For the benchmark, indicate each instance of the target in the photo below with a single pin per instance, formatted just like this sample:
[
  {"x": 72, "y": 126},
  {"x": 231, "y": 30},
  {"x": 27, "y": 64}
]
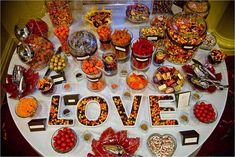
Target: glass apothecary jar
[
  {"x": 59, "y": 12},
  {"x": 187, "y": 30},
  {"x": 110, "y": 63},
  {"x": 141, "y": 57},
  {"x": 121, "y": 42},
  {"x": 96, "y": 83},
  {"x": 104, "y": 33}
]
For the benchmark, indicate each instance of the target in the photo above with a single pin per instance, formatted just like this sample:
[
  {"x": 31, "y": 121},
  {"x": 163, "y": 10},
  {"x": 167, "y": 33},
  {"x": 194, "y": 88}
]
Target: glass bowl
[
  {"x": 137, "y": 80},
  {"x": 137, "y": 13},
  {"x": 26, "y": 107},
  {"x": 209, "y": 42},
  {"x": 187, "y": 30},
  {"x": 216, "y": 57},
  {"x": 168, "y": 79},
  {"x": 197, "y": 112},
  {"x": 70, "y": 142},
  {"x": 46, "y": 86}
]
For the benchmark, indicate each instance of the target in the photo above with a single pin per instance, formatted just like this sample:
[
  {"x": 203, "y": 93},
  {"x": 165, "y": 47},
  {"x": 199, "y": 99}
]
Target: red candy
[
  {"x": 64, "y": 140},
  {"x": 204, "y": 112},
  {"x": 62, "y": 33},
  {"x": 142, "y": 47}
]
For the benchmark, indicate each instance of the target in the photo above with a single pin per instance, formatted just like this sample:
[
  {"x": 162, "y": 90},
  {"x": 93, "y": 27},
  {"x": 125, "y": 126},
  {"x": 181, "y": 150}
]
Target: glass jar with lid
[
  {"x": 96, "y": 83},
  {"x": 110, "y": 63},
  {"x": 121, "y": 42},
  {"x": 187, "y": 30},
  {"x": 59, "y": 12},
  {"x": 82, "y": 44},
  {"x": 141, "y": 57}
]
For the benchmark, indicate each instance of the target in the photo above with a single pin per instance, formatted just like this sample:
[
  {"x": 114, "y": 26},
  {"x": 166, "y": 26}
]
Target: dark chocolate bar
[
  {"x": 189, "y": 137},
  {"x": 58, "y": 79},
  {"x": 71, "y": 99},
  {"x": 37, "y": 124}
]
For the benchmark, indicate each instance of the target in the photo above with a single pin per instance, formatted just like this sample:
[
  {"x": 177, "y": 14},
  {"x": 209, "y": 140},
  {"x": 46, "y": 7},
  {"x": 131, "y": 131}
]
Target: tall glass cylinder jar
[
  {"x": 59, "y": 12},
  {"x": 104, "y": 33},
  {"x": 141, "y": 57},
  {"x": 110, "y": 63},
  {"x": 121, "y": 42},
  {"x": 96, "y": 83}
]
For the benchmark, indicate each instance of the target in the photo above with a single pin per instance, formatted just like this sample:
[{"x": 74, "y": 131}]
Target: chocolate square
[
  {"x": 58, "y": 79},
  {"x": 189, "y": 137},
  {"x": 71, "y": 99},
  {"x": 37, "y": 124}
]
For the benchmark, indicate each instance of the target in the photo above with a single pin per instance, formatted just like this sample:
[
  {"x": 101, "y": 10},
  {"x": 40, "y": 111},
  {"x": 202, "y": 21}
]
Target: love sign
[{"x": 155, "y": 102}]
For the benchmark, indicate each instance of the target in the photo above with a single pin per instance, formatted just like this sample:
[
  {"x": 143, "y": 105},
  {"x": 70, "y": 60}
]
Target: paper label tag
[
  {"x": 183, "y": 100},
  {"x": 188, "y": 47},
  {"x": 59, "y": 79},
  {"x": 190, "y": 140},
  {"x": 36, "y": 126},
  {"x": 152, "y": 38},
  {"x": 71, "y": 100},
  {"x": 120, "y": 49}
]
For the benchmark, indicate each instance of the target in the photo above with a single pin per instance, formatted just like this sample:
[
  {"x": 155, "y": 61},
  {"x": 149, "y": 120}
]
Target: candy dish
[
  {"x": 161, "y": 145},
  {"x": 144, "y": 126},
  {"x": 83, "y": 44},
  {"x": 205, "y": 112},
  {"x": 78, "y": 75},
  {"x": 155, "y": 110},
  {"x": 159, "y": 57},
  {"x": 203, "y": 77},
  {"x": 54, "y": 119},
  {"x": 43, "y": 51},
  {"x": 98, "y": 17},
  {"x": 160, "y": 21},
  {"x": 130, "y": 120},
  {"x": 26, "y": 107},
  {"x": 187, "y": 30},
  {"x": 87, "y": 136},
  {"x": 114, "y": 143},
  {"x": 64, "y": 140},
  {"x": 19, "y": 90},
  {"x": 209, "y": 42},
  {"x": 216, "y": 57},
  {"x": 201, "y": 8},
  {"x": 137, "y": 13},
  {"x": 67, "y": 87},
  {"x": 81, "y": 110},
  {"x": 59, "y": 12},
  {"x": 46, "y": 86},
  {"x": 168, "y": 79},
  {"x": 137, "y": 81}
]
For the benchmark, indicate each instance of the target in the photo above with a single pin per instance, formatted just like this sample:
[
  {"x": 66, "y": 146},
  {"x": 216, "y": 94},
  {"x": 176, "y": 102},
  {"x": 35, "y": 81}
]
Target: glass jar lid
[{"x": 82, "y": 43}]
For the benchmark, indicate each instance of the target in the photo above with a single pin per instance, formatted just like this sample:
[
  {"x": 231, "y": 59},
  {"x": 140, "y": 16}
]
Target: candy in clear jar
[
  {"x": 59, "y": 12},
  {"x": 141, "y": 57},
  {"x": 110, "y": 63},
  {"x": 104, "y": 33}
]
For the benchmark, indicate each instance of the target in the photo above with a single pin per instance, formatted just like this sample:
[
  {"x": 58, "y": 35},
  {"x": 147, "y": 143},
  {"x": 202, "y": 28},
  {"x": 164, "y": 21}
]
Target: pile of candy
[{"x": 62, "y": 33}]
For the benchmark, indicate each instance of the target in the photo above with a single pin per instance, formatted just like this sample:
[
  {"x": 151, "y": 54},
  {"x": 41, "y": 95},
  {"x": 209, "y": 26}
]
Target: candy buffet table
[{"x": 41, "y": 141}]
